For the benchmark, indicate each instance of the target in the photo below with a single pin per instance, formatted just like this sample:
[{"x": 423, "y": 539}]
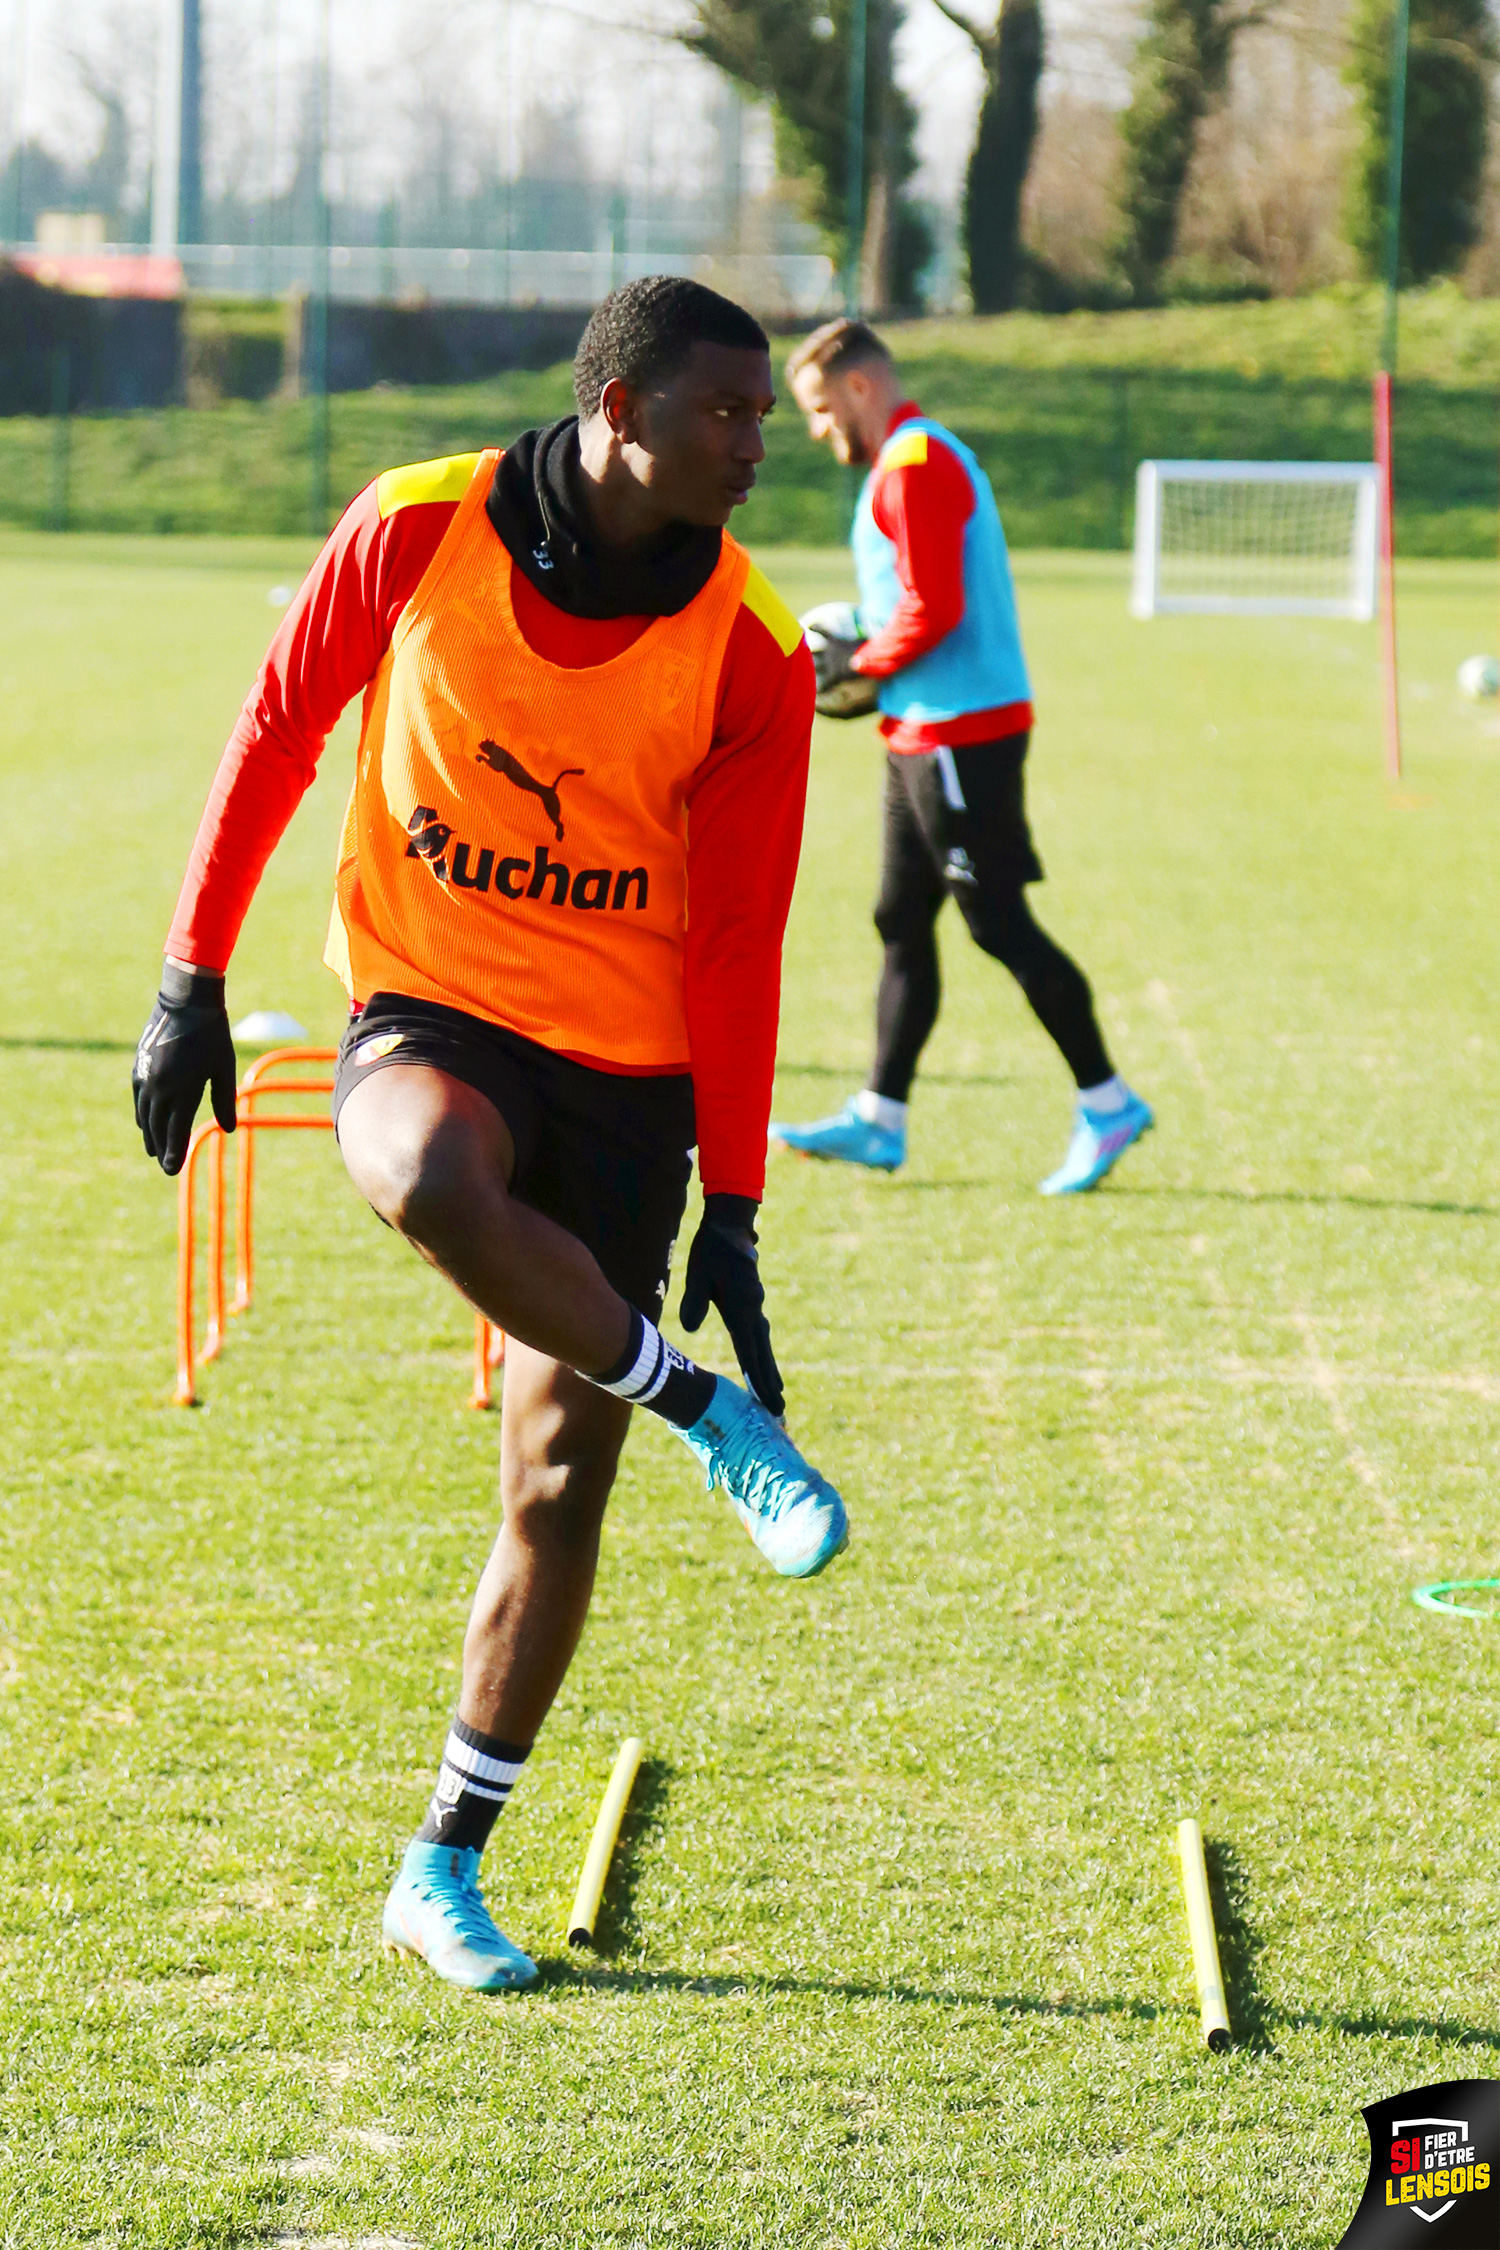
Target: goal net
[{"x": 1255, "y": 538}]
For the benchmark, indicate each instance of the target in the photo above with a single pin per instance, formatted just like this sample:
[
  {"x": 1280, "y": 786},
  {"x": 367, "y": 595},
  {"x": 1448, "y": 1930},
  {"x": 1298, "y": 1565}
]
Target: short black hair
[{"x": 644, "y": 334}]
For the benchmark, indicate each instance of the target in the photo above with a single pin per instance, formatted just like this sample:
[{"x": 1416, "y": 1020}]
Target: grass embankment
[
  {"x": 1332, "y": 334},
  {"x": 1060, "y": 411},
  {"x": 894, "y": 1955}
]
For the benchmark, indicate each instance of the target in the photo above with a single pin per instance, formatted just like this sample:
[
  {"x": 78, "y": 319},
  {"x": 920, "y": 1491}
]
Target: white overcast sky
[{"x": 407, "y": 71}]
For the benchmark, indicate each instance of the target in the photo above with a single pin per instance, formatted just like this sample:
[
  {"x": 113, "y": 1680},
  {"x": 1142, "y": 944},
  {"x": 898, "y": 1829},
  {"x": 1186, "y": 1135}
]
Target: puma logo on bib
[{"x": 502, "y": 761}]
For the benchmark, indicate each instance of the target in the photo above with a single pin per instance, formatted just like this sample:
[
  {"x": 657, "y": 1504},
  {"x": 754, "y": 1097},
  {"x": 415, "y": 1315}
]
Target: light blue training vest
[{"x": 979, "y": 666}]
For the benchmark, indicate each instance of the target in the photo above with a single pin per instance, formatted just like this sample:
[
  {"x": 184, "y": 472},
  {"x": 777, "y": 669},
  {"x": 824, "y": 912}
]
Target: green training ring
[{"x": 1434, "y": 1597}]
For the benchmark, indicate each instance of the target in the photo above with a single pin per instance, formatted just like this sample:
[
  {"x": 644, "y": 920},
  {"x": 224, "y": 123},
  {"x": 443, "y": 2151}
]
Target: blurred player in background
[
  {"x": 935, "y": 646},
  {"x": 561, "y": 891}
]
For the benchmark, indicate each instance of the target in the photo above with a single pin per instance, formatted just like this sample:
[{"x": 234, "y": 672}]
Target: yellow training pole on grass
[
  {"x": 602, "y": 1843},
  {"x": 1211, "y": 2002}
]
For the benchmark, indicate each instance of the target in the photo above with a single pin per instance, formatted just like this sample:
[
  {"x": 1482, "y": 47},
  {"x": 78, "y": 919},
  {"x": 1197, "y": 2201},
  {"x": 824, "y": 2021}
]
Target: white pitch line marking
[{"x": 1325, "y": 1381}]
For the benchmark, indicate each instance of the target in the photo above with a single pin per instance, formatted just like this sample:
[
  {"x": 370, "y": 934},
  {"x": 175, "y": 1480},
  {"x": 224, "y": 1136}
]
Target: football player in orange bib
[{"x": 561, "y": 891}]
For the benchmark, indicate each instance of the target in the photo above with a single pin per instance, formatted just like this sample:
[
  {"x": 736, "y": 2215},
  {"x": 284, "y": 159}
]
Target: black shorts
[
  {"x": 607, "y": 1157},
  {"x": 955, "y": 821}
]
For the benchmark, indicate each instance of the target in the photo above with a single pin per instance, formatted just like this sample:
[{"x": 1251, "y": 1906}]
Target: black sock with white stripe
[
  {"x": 476, "y": 1776},
  {"x": 651, "y": 1372}
]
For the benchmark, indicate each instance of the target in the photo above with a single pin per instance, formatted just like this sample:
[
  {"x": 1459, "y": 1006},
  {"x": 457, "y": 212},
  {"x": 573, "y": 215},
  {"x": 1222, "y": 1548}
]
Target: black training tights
[
  {"x": 906, "y": 1006},
  {"x": 979, "y": 853}
]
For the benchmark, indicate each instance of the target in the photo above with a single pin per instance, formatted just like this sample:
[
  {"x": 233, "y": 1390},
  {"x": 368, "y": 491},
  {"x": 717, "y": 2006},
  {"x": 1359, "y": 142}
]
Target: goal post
[{"x": 1256, "y": 539}]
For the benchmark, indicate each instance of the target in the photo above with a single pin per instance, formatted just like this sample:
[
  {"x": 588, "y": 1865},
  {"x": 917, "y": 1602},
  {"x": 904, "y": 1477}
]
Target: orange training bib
[{"x": 516, "y": 841}]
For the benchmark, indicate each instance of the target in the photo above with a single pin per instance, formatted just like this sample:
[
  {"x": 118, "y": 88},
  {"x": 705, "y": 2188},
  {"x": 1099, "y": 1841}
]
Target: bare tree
[
  {"x": 1265, "y": 188},
  {"x": 111, "y": 58},
  {"x": 1071, "y": 217}
]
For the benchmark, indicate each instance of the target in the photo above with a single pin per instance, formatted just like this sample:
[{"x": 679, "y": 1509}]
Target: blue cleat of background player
[
  {"x": 850, "y": 1137},
  {"x": 1100, "y": 1139}
]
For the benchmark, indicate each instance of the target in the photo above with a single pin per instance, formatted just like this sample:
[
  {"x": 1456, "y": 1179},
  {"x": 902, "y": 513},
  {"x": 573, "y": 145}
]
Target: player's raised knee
[{"x": 425, "y": 1177}]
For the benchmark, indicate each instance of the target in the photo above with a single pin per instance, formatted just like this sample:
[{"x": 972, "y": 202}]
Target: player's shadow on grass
[
  {"x": 1253, "y": 1196},
  {"x": 576, "y": 1970},
  {"x": 929, "y": 1077},
  {"x": 1366, "y": 2024},
  {"x": 618, "y": 1929},
  {"x": 1254, "y": 2023},
  {"x": 906, "y": 1186},
  {"x": 71, "y": 1046}
]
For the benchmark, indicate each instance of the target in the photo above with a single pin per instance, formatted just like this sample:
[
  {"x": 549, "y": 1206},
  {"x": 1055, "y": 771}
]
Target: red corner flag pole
[{"x": 1387, "y": 576}]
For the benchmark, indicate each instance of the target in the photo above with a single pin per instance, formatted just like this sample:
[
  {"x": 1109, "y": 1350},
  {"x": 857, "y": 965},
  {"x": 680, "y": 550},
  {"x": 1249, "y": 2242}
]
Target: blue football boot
[
  {"x": 1100, "y": 1139},
  {"x": 793, "y": 1515},
  {"x": 434, "y": 1912},
  {"x": 849, "y": 1137}
]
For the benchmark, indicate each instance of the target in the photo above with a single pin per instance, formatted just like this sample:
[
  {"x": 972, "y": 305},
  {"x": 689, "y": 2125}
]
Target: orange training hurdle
[{"x": 271, "y": 1075}]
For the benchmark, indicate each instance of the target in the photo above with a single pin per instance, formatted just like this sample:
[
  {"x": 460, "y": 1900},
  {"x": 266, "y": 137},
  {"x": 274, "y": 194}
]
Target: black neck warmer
[{"x": 536, "y": 507}]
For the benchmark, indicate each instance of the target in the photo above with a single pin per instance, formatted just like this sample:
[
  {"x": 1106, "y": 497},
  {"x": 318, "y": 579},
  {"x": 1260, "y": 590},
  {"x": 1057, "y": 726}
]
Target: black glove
[
  {"x": 185, "y": 1047},
  {"x": 833, "y": 660},
  {"x": 722, "y": 1270},
  {"x": 835, "y": 639}
]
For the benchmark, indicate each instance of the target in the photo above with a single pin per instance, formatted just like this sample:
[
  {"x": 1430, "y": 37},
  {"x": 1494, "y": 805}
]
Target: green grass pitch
[{"x": 1140, "y": 1486}]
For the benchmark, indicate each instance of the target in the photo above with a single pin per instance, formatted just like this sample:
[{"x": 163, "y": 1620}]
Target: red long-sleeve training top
[
  {"x": 745, "y": 802},
  {"x": 923, "y": 506}
]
